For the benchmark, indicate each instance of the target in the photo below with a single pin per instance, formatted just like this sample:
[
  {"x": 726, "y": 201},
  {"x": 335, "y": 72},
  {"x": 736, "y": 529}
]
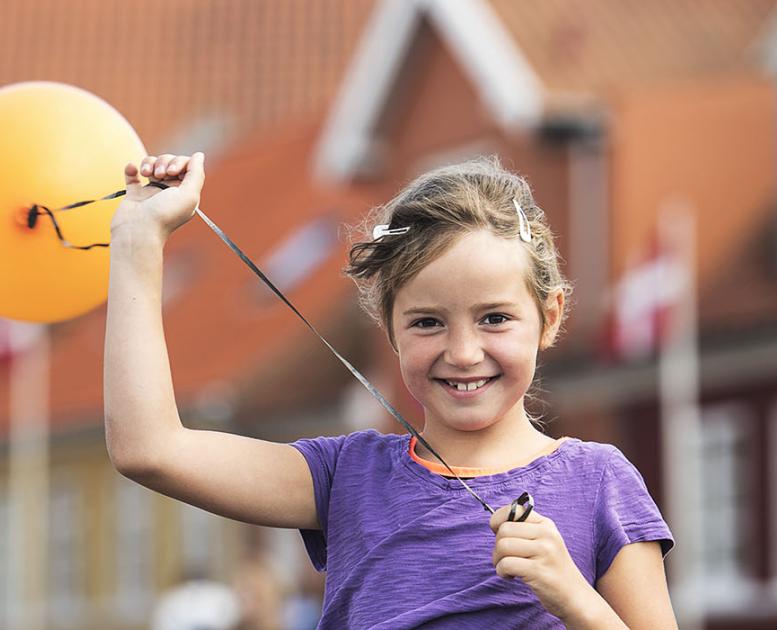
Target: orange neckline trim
[{"x": 464, "y": 471}]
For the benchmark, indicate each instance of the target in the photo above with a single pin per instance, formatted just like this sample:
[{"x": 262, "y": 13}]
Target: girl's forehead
[
  {"x": 478, "y": 252},
  {"x": 478, "y": 267}
]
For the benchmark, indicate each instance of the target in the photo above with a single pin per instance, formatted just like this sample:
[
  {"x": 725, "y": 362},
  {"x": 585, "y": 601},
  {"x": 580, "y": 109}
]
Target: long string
[{"x": 37, "y": 209}]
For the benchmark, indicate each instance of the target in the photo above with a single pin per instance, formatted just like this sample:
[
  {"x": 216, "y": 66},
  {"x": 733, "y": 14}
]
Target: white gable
[{"x": 507, "y": 85}]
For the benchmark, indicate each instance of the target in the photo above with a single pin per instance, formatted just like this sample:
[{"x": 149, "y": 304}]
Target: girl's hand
[
  {"x": 148, "y": 208},
  {"x": 535, "y": 552}
]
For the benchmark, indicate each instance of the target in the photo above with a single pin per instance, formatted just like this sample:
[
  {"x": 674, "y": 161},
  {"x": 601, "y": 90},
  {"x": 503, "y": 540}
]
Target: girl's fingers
[
  {"x": 527, "y": 531},
  {"x": 191, "y": 170},
  {"x": 147, "y": 165},
  {"x": 514, "y": 547},
  {"x": 160, "y": 168},
  {"x": 509, "y": 567},
  {"x": 177, "y": 166}
]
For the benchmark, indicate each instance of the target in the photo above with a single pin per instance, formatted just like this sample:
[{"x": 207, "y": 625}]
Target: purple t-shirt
[{"x": 404, "y": 547}]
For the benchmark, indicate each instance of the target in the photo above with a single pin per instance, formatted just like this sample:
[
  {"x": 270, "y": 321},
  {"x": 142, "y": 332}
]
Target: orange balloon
[{"x": 60, "y": 144}]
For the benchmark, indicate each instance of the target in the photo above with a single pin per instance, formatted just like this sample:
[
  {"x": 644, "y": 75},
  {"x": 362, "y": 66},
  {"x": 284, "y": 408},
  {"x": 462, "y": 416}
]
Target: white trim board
[
  {"x": 764, "y": 47},
  {"x": 507, "y": 84}
]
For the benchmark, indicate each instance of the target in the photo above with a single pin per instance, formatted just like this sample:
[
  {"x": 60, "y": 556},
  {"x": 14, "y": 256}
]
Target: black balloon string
[{"x": 37, "y": 209}]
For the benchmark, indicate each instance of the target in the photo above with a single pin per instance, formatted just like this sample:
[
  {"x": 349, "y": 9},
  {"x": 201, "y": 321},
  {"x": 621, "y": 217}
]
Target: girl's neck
[{"x": 502, "y": 445}]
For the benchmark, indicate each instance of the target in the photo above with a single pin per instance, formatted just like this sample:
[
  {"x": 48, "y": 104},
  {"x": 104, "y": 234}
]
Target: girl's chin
[
  {"x": 463, "y": 424},
  {"x": 471, "y": 420}
]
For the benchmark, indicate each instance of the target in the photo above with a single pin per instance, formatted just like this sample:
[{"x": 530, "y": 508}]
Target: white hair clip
[
  {"x": 523, "y": 223},
  {"x": 379, "y": 231}
]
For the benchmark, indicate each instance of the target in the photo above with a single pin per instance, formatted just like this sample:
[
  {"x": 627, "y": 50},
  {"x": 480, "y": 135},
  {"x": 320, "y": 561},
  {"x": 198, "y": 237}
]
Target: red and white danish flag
[{"x": 642, "y": 301}]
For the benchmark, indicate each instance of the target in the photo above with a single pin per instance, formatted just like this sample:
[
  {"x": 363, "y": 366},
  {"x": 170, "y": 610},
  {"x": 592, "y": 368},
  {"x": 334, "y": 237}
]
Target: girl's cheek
[
  {"x": 414, "y": 368},
  {"x": 406, "y": 370},
  {"x": 415, "y": 385}
]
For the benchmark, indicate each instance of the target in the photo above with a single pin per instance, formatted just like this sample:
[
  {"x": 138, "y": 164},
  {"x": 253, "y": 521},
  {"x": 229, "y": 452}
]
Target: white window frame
[
  {"x": 737, "y": 593},
  {"x": 135, "y": 551},
  {"x": 198, "y": 530},
  {"x": 772, "y": 497},
  {"x": 67, "y": 559},
  {"x": 5, "y": 525}
]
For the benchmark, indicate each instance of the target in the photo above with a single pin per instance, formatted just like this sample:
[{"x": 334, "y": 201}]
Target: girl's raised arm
[{"x": 242, "y": 478}]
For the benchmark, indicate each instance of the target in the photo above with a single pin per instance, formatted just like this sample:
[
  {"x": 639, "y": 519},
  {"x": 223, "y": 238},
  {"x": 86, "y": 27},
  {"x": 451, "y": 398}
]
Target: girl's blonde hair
[{"x": 438, "y": 208}]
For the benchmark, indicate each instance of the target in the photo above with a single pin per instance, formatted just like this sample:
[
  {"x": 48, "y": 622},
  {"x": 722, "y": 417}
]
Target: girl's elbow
[{"x": 131, "y": 460}]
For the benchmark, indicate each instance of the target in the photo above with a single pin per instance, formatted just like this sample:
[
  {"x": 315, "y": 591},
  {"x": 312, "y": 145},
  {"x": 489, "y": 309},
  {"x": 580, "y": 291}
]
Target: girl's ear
[
  {"x": 389, "y": 330},
  {"x": 554, "y": 307}
]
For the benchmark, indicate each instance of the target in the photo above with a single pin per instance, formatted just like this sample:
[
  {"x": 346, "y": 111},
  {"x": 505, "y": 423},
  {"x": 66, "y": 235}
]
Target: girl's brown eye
[
  {"x": 495, "y": 318},
  {"x": 426, "y": 322}
]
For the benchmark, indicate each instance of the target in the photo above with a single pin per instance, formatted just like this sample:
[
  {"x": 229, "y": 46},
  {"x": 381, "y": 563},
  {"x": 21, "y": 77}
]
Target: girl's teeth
[{"x": 468, "y": 387}]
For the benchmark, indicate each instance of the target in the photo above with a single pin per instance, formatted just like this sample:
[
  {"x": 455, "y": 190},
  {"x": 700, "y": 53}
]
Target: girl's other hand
[
  {"x": 155, "y": 211},
  {"x": 535, "y": 552}
]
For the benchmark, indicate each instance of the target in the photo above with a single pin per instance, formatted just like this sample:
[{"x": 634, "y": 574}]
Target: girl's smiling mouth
[{"x": 466, "y": 387}]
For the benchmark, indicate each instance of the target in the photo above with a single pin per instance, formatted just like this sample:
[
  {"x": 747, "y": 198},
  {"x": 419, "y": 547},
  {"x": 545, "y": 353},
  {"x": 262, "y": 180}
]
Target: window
[
  {"x": 728, "y": 500},
  {"x": 5, "y": 583},
  {"x": 197, "y": 529},
  {"x": 134, "y": 551},
  {"x": 66, "y": 562},
  {"x": 772, "y": 499}
]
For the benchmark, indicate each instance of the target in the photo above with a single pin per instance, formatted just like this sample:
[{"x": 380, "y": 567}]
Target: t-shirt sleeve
[
  {"x": 625, "y": 513},
  {"x": 321, "y": 455}
]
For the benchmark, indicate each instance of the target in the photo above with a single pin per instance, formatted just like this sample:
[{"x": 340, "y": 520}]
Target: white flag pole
[
  {"x": 680, "y": 416},
  {"x": 28, "y": 477}
]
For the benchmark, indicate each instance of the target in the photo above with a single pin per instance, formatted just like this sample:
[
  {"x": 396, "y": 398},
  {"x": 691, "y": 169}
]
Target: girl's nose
[{"x": 464, "y": 349}]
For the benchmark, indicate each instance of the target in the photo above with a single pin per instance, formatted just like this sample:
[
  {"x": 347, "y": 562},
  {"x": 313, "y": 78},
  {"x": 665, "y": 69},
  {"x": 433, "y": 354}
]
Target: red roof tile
[
  {"x": 165, "y": 65},
  {"x": 603, "y": 45}
]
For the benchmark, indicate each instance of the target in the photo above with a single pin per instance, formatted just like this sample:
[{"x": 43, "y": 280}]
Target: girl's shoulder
[
  {"x": 598, "y": 453},
  {"x": 372, "y": 439},
  {"x": 596, "y": 458},
  {"x": 366, "y": 443}
]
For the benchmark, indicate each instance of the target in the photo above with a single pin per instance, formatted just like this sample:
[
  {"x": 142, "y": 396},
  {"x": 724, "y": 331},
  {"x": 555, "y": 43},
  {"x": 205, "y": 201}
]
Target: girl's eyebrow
[
  {"x": 487, "y": 306},
  {"x": 423, "y": 310}
]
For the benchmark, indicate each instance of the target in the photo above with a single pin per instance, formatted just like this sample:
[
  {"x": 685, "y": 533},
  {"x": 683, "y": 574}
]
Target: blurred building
[{"x": 310, "y": 113}]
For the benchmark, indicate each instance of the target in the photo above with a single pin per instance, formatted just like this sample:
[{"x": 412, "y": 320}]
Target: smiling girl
[{"x": 463, "y": 274}]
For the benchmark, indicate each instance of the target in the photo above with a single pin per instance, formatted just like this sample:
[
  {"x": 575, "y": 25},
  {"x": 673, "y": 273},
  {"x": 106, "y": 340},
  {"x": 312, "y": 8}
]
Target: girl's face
[{"x": 467, "y": 331}]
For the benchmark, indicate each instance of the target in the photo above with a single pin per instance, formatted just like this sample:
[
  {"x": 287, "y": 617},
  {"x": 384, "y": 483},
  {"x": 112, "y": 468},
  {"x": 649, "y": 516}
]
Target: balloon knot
[
  {"x": 28, "y": 217},
  {"x": 32, "y": 216}
]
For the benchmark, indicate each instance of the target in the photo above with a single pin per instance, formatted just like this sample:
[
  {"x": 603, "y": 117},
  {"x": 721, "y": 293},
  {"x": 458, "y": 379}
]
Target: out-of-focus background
[{"x": 647, "y": 130}]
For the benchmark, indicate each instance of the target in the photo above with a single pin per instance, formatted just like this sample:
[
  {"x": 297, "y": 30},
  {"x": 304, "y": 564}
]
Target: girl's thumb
[
  {"x": 195, "y": 174},
  {"x": 132, "y": 178}
]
